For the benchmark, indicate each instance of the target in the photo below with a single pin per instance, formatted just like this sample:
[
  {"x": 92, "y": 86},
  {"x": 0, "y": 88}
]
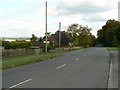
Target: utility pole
[
  {"x": 46, "y": 26},
  {"x": 119, "y": 14},
  {"x": 59, "y": 35}
]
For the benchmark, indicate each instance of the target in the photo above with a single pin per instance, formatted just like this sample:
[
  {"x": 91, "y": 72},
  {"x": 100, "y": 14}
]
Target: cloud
[
  {"x": 68, "y": 8},
  {"x": 111, "y": 14},
  {"x": 30, "y": 18},
  {"x": 20, "y": 28},
  {"x": 94, "y": 18}
]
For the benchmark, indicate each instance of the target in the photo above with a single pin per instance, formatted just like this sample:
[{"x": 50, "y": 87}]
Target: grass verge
[
  {"x": 23, "y": 60},
  {"x": 113, "y": 48}
]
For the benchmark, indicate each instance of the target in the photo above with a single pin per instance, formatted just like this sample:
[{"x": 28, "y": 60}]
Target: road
[
  {"x": 85, "y": 68},
  {"x": 114, "y": 70}
]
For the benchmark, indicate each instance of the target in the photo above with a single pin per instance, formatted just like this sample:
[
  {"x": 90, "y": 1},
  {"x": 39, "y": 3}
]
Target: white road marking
[
  {"x": 110, "y": 84},
  {"x": 20, "y": 83},
  {"x": 45, "y": 72},
  {"x": 111, "y": 67},
  {"x": 76, "y": 59},
  {"x": 90, "y": 53},
  {"x": 110, "y": 70},
  {"x": 61, "y": 66}
]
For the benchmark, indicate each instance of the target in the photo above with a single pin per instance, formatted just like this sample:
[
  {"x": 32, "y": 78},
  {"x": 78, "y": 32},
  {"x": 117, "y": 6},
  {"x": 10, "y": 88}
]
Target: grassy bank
[
  {"x": 113, "y": 48},
  {"x": 22, "y": 60}
]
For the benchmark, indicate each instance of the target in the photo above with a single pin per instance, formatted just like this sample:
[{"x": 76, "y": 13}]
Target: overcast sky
[{"x": 22, "y": 18}]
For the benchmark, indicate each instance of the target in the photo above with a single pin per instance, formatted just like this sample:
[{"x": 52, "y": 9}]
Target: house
[{"x": 54, "y": 40}]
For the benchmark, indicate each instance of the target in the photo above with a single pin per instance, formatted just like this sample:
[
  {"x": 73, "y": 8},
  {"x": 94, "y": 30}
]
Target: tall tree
[
  {"x": 80, "y": 35},
  {"x": 72, "y": 29},
  {"x": 109, "y": 35},
  {"x": 64, "y": 38},
  {"x": 34, "y": 38},
  {"x": 40, "y": 39}
]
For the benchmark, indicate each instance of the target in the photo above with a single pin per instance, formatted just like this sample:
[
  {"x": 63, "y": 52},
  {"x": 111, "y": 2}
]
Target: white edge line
[
  {"x": 76, "y": 59},
  {"x": 20, "y": 83},
  {"x": 90, "y": 53},
  {"x": 61, "y": 66},
  {"x": 110, "y": 73},
  {"x": 110, "y": 70}
]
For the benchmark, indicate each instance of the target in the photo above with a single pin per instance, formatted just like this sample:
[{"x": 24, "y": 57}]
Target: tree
[
  {"x": 85, "y": 36},
  {"x": 40, "y": 39},
  {"x": 80, "y": 35},
  {"x": 6, "y": 44},
  {"x": 16, "y": 44},
  {"x": 64, "y": 38},
  {"x": 34, "y": 38},
  {"x": 72, "y": 29},
  {"x": 109, "y": 35}
]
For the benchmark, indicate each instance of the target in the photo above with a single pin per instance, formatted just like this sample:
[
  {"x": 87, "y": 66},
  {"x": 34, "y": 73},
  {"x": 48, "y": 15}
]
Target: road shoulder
[{"x": 113, "y": 76}]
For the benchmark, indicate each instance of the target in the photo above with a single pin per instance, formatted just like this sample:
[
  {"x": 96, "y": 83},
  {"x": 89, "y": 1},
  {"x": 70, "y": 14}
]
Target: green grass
[
  {"x": 23, "y": 60},
  {"x": 113, "y": 48},
  {"x": 72, "y": 49}
]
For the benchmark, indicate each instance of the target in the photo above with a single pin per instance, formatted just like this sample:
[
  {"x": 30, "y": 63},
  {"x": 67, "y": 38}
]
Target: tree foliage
[
  {"x": 109, "y": 35},
  {"x": 40, "y": 39},
  {"x": 80, "y": 35},
  {"x": 34, "y": 38},
  {"x": 64, "y": 38},
  {"x": 16, "y": 44}
]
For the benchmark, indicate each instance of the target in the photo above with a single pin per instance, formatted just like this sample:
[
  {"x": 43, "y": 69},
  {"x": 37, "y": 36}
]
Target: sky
[{"x": 22, "y": 18}]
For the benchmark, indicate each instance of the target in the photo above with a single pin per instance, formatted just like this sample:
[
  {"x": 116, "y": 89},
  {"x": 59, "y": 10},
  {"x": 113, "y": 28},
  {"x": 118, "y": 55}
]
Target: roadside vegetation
[
  {"x": 113, "y": 48},
  {"x": 75, "y": 36},
  {"x": 109, "y": 34},
  {"x": 23, "y": 60}
]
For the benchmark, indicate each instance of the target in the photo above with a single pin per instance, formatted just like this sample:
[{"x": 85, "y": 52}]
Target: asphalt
[
  {"x": 113, "y": 76},
  {"x": 85, "y": 68}
]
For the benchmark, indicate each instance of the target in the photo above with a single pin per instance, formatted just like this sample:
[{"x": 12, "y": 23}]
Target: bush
[
  {"x": 6, "y": 44},
  {"x": 49, "y": 47},
  {"x": 16, "y": 44}
]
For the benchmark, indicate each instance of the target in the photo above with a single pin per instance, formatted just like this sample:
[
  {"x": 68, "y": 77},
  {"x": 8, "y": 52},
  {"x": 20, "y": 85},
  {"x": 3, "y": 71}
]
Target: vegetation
[
  {"x": 16, "y": 44},
  {"x": 80, "y": 35},
  {"x": 40, "y": 39},
  {"x": 34, "y": 38},
  {"x": 109, "y": 35},
  {"x": 113, "y": 48},
  {"x": 64, "y": 38},
  {"x": 23, "y": 60},
  {"x": 76, "y": 35}
]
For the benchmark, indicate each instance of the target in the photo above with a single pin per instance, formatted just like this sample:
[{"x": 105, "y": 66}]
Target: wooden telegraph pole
[
  {"x": 59, "y": 35},
  {"x": 46, "y": 26}
]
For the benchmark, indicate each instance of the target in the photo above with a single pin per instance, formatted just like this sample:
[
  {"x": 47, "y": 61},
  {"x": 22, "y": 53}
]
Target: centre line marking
[
  {"x": 90, "y": 53},
  {"x": 61, "y": 66},
  {"x": 76, "y": 59},
  {"x": 20, "y": 83}
]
